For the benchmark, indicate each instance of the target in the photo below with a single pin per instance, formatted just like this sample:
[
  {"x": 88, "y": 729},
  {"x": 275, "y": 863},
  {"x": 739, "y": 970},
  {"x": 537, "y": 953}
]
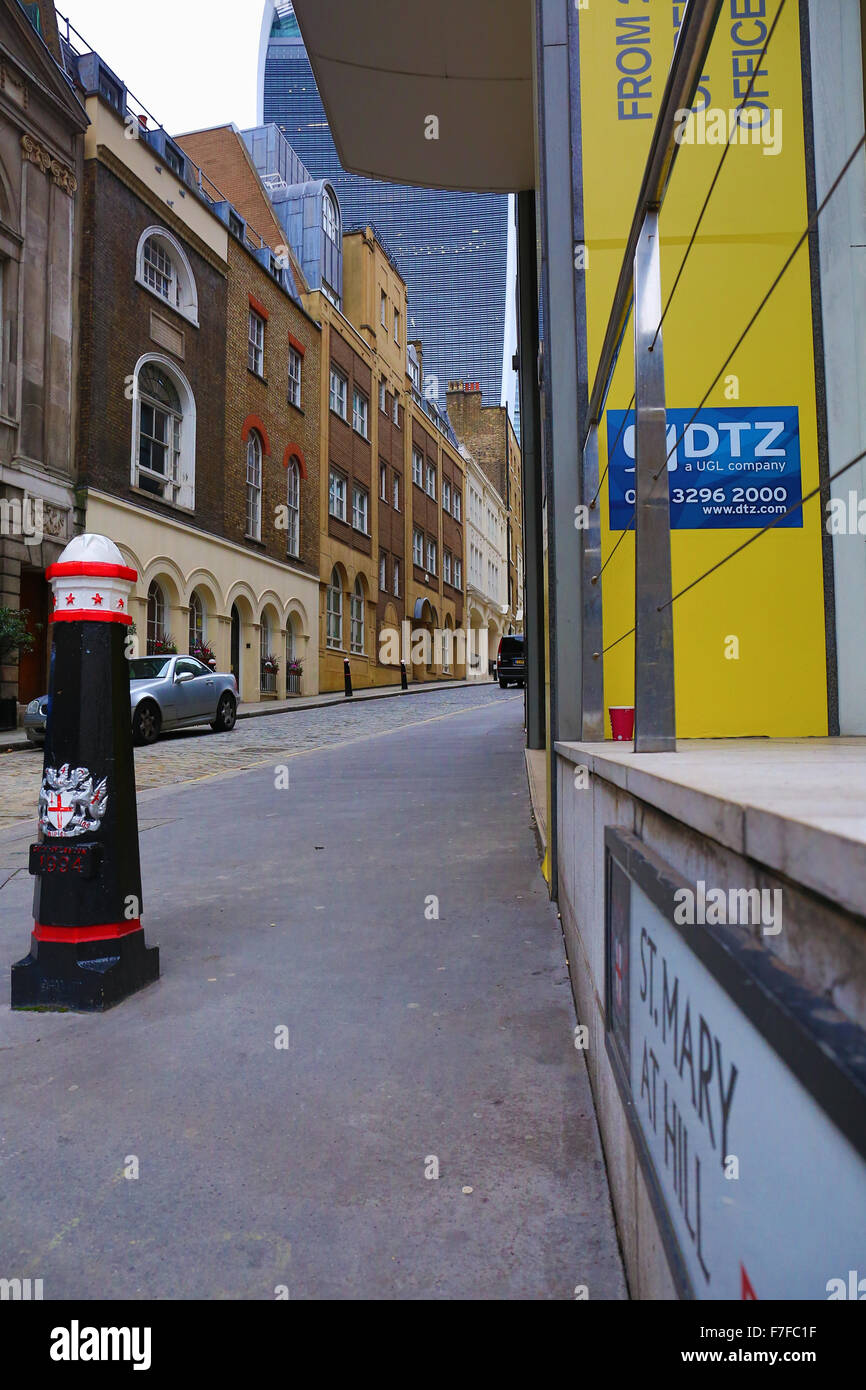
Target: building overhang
[{"x": 385, "y": 68}]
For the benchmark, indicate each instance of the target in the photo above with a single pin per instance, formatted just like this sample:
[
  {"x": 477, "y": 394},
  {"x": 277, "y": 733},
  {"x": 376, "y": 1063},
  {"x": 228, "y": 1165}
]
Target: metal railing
[{"x": 78, "y": 46}]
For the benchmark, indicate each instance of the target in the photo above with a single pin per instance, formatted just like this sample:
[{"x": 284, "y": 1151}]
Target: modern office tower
[{"x": 452, "y": 248}]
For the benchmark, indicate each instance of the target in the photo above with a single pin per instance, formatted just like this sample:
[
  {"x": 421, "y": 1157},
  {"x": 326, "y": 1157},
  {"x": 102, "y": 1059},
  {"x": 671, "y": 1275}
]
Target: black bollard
[
  {"x": 347, "y": 679},
  {"x": 87, "y": 950},
  {"x": 404, "y": 683}
]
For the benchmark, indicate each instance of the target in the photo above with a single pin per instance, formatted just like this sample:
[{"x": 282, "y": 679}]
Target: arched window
[
  {"x": 160, "y": 421},
  {"x": 162, "y": 266},
  {"x": 293, "y": 506},
  {"x": 335, "y": 610},
  {"x": 357, "y": 635},
  {"x": 254, "y": 486},
  {"x": 163, "y": 445},
  {"x": 196, "y": 620},
  {"x": 159, "y": 271},
  {"x": 330, "y": 217},
  {"x": 155, "y": 617}
]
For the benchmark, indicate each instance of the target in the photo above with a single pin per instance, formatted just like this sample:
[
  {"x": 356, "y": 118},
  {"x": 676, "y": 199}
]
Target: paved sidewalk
[{"x": 412, "y": 1038}]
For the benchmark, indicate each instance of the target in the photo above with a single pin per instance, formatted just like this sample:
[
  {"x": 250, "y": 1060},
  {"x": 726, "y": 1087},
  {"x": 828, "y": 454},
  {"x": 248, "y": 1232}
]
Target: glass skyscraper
[{"x": 451, "y": 248}]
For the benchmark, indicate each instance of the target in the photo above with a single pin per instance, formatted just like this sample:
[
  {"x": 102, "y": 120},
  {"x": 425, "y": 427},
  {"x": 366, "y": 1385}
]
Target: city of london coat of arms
[{"x": 69, "y": 804}]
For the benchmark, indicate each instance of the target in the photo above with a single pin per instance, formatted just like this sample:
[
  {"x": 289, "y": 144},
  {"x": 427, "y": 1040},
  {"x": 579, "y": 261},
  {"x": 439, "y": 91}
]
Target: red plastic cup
[{"x": 622, "y": 721}]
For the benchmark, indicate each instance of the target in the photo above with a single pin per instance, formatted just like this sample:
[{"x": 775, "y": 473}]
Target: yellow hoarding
[{"x": 750, "y": 639}]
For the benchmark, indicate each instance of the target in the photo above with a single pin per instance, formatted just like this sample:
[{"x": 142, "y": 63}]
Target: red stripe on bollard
[
  {"x": 88, "y": 615},
  {"x": 90, "y": 569},
  {"x": 72, "y": 936}
]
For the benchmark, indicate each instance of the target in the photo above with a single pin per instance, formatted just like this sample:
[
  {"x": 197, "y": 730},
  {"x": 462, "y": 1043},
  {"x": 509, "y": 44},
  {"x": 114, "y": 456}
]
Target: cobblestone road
[{"x": 194, "y": 753}]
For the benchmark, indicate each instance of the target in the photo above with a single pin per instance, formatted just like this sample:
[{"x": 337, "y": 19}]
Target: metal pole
[
  {"x": 593, "y": 663},
  {"x": 530, "y": 445},
  {"x": 655, "y": 721}
]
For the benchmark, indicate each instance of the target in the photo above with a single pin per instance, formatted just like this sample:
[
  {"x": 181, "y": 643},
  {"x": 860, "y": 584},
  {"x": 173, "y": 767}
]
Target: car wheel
[
  {"x": 146, "y": 722},
  {"x": 226, "y": 715},
  {"x": 502, "y": 684}
]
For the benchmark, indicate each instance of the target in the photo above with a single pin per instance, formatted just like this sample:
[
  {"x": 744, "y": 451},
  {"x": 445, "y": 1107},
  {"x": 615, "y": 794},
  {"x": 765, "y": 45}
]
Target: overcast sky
[{"x": 192, "y": 63}]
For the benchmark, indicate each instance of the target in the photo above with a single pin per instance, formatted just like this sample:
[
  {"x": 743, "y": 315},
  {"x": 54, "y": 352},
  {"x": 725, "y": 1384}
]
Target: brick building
[
  {"x": 272, "y": 469},
  {"x": 371, "y": 417},
  {"x": 41, "y": 146},
  {"x": 186, "y": 446},
  {"x": 489, "y": 435},
  {"x": 416, "y": 534},
  {"x": 272, "y": 478}
]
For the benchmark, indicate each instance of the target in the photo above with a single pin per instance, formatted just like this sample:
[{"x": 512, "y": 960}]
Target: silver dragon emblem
[{"x": 69, "y": 804}]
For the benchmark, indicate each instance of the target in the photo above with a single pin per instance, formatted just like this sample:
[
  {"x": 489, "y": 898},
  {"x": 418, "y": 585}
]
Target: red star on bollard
[{"x": 96, "y": 600}]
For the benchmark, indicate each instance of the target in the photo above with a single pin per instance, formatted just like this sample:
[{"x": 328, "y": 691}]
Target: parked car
[
  {"x": 167, "y": 692},
  {"x": 35, "y": 716},
  {"x": 511, "y": 661}
]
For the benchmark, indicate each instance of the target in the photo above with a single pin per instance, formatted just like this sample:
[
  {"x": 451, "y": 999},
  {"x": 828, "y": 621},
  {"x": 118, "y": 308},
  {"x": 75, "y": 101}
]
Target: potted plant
[
  {"x": 163, "y": 646},
  {"x": 14, "y": 639},
  {"x": 268, "y": 683},
  {"x": 294, "y": 671},
  {"x": 203, "y": 653}
]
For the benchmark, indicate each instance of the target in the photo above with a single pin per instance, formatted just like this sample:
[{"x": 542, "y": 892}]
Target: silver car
[
  {"x": 167, "y": 692},
  {"x": 171, "y": 692}
]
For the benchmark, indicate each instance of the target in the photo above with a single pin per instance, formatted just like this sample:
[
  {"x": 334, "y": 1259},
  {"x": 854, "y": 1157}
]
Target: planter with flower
[
  {"x": 270, "y": 667},
  {"x": 162, "y": 646},
  {"x": 294, "y": 671},
  {"x": 205, "y": 654}
]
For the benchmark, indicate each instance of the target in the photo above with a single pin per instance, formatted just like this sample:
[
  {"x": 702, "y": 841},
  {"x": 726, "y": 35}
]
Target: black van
[{"x": 511, "y": 661}]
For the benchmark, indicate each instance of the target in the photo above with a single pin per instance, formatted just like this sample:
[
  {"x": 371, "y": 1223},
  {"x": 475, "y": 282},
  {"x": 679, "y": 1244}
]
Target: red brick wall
[
  {"x": 286, "y": 427},
  {"x": 347, "y": 451},
  {"x": 115, "y": 333},
  {"x": 221, "y": 153}
]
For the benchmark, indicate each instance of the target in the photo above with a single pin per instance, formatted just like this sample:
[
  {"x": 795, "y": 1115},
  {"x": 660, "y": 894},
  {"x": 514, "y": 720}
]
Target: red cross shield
[{"x": 57, "y": 812}]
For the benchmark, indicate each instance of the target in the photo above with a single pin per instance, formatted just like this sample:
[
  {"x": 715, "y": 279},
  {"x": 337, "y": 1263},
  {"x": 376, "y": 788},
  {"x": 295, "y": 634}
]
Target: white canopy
[{"x": 384, "y": 67}]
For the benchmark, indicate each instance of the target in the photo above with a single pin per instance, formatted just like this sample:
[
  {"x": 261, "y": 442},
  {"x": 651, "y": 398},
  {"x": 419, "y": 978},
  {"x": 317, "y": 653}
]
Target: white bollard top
[{"x": 91, "y": 583}]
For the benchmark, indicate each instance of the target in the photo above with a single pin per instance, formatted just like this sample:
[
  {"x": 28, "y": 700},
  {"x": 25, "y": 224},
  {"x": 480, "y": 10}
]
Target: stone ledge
[{"x": 797, "y": 806}]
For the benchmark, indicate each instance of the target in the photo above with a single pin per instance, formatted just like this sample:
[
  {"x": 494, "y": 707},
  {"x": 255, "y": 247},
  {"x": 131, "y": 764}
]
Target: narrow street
[{"x": 385, "y": 916}]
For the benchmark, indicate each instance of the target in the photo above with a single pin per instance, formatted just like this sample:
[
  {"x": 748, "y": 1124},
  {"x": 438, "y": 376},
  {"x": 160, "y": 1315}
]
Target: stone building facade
[
  {"x": 41, "y": 140},
  {"x": 486, "y": 555},
  {"x": 489, "y": 435}
]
